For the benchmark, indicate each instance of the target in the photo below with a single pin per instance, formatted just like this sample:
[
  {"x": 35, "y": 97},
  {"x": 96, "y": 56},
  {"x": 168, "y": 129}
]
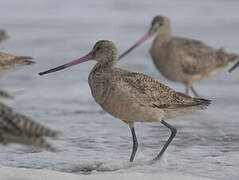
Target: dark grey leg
[
  {"x": 194, "y": 92},
  {"x": 173, "y": 134},
  {"x": 187, "y": 91},
  {"x": 135, "y": 145}
]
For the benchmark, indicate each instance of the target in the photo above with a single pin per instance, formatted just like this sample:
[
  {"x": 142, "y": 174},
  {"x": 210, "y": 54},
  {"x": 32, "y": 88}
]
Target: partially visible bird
[
  {"x": 10, "y": 63},
  {"x": 3, "y": 35},
  {"x": 181, "y": 59},
  {"x": 18, "y": 128},
  {"x": 133, "y": 97}
]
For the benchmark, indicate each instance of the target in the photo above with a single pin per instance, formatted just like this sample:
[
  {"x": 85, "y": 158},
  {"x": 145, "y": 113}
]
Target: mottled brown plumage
[
  {"x": 9, "y": 63},
  {"x": 121, "y": 93},
  {"x": 133, "y": 97},
  {"x": 17, "y": 128},
  {"x": 3, "y": 36},
  {"x": 181, "y": 59}
]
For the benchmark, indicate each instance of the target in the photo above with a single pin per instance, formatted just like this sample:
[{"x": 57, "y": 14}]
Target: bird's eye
[
  {"x": 98, "y": 48},
  {"x": 161, "y": 23}
]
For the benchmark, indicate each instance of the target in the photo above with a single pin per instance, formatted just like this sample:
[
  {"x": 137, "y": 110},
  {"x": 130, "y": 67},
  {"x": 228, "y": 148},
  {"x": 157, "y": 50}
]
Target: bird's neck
[
  {"x": 103, "y": 66},
  {"x": 164, "y": 35}
]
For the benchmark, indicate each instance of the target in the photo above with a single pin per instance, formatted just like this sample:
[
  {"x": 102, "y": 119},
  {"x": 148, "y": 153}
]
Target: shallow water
[{"x": 56, "y": 32}]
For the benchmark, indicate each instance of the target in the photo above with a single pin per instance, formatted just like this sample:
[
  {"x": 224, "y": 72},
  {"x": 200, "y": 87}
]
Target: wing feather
[
  {"x": 148, "y": 91},
  {"x": 199, "y": 58}
]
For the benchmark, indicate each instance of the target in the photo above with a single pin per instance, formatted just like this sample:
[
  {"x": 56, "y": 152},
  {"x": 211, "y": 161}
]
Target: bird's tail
[
  {"x": 191, "y": 105},
  {"x": 24, "y": 60},
  {"x": 23, "y": 130},
  {"x": 203, "y": 103},
  {"x": 40, "y": 142},
  {"x": 27, "y": 140},
  {"x": 193, "y": 101},
  {"x": 28, "y": 126}
]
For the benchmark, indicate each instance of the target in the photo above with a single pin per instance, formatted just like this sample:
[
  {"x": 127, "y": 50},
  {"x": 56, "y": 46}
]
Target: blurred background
[{"x": 55, "y": 32}]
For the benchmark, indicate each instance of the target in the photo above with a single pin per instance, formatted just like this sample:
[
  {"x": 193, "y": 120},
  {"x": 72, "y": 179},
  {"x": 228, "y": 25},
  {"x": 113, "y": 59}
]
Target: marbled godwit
[
  {"x": 10, "y": 63},
  {"x": 234, "y": 67},
  {"x": 17, "y": 128},
  {"x": 3, "y": 35},
  {"x": 133, "y": 97},
  {"x": 181, "y": 59}
]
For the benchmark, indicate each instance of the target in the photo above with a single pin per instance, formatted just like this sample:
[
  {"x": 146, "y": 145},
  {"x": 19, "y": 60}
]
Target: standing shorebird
[
  {"x": 181, "y": 59},
  {"x": 133, "y": 97},
  {"x": 10, "y": 63},
  {"x": 3, "y": 36},
  {"x": 17, "y": 128}
]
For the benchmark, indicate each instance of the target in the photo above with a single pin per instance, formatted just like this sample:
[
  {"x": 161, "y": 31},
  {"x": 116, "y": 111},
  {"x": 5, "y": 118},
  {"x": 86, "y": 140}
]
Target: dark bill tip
[
  {"x": 52, "y": 70},
  {"x": 139, "y": 42},
  {"x": 30, "y": 62},
  {"x": 128, "y": 51},
  {"x": 72, "y": 63},
  {"x": 234, "y": 67}
]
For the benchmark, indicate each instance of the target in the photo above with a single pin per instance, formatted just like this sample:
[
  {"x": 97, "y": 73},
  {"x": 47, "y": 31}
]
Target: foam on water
[{"x": 33, "y": 174}]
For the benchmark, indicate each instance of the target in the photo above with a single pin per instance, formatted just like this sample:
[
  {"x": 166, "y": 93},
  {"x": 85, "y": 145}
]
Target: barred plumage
[
  {"x": 9, "y": 63},
  {"x": 18, "y": 128}
]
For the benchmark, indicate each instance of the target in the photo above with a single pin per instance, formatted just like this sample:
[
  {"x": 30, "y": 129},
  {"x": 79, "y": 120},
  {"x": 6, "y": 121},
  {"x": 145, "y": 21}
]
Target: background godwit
[
  {"x": 133, "y": 97},
  {"x": 10, "y": 63},
  {"x": 17, "y": 128},
  {"x": 3, "y": 35},
  {"x": 181, "y": 59}
]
